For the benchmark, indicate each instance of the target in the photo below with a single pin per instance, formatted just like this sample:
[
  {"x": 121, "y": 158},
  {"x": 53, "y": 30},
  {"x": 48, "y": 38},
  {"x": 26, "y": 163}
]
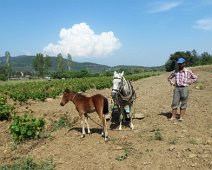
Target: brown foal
[{"x": 85, "y": 105}]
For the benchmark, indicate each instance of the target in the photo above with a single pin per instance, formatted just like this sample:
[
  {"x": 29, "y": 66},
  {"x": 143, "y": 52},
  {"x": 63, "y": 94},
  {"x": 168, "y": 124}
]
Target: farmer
[{"x": 183, "y": 78}]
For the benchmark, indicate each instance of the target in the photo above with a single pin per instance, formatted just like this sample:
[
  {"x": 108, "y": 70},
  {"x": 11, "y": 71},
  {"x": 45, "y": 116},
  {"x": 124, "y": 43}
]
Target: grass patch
[
  {"x": 123, "y": 156},
  {"x": 63, "y": 122},
  {"x": 127, "y": 148},
  {"x": 157, "y": 135},
  {"x": 29, "y": 164}
]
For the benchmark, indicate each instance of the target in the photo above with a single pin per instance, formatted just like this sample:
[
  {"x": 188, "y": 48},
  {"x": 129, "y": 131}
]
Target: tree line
[
  {"x": 42, "y": 64},
  {"x": 192, "y": 59}
]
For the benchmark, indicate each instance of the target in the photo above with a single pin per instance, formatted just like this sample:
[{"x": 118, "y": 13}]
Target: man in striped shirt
[{"x": 183, "y": 78}]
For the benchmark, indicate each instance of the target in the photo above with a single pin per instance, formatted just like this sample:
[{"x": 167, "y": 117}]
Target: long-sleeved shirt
[{"x": 182, "y": 77}]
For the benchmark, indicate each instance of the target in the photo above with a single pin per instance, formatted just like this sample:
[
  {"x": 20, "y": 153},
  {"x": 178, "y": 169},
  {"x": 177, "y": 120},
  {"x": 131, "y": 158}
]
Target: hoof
[
  {"x": 102, "y": 134},
  {"x": 181, "y": 119},
  {"x": 82, "y": 136},
  {"x": 106, "y": 139}
]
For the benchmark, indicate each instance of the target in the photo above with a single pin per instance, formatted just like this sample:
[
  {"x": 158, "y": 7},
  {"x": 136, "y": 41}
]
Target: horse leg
[
  {"x": 86, "y": 122},
  {"x": 82, "y": 118},
  {"x": 104, "y": 130},
  {"x": 121, "y": 117},
  {"x": 131, "y": 115}
]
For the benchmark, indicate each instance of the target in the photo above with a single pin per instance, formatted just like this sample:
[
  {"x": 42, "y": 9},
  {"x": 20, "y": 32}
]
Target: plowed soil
[{"x": 155, "y": 143}]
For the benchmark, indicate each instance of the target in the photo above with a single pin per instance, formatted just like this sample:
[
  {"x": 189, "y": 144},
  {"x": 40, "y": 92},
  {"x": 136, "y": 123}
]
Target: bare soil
[{"x": 155, "y": 143}]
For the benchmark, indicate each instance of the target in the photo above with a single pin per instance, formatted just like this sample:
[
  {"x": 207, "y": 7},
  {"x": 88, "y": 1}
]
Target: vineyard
[
  {"x": 37, "y": 133},
  {"x": 50, "y": 89}
]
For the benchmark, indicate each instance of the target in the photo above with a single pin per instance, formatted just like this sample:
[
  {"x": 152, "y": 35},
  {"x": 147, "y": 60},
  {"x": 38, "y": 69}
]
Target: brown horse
[{"x": 85, "y": 105}]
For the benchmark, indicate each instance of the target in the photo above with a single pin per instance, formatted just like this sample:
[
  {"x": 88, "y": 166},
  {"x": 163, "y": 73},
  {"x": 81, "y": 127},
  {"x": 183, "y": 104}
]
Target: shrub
[
  {"x": 24, "y": 127},
  {"x": 5, "y": 109}
]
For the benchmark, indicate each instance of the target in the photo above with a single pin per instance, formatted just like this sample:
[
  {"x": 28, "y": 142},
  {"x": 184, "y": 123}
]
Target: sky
[{"x": 108, "y": 32}]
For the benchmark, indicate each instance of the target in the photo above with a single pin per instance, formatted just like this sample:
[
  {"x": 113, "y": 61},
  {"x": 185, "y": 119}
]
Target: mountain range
[{"x": 24, "y": 63}]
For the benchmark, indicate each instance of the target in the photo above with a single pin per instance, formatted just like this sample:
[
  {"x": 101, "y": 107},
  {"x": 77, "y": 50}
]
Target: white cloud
[
  {"x": 81, "y": 41},
  {"x": 164, "y": 6},
  {"x": 204, "y": 24}
]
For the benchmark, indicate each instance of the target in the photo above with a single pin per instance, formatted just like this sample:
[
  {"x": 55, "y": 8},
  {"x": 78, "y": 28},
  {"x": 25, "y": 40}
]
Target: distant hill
[{"x": 24, "y": 63}]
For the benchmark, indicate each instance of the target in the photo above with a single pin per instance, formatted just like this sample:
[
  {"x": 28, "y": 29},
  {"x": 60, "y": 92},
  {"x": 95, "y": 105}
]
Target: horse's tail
[{"x": 105, "y": 109}]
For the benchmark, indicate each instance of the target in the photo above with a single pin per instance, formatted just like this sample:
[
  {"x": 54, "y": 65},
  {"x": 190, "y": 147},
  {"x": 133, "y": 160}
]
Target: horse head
[
  {"x": 117, "y": 84},
  {"x": 66, "y": 97}
]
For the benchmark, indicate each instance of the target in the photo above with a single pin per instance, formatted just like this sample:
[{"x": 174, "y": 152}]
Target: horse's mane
[
  {"x": 78, "y": 94},
  {"x": 67, "y": 91}
]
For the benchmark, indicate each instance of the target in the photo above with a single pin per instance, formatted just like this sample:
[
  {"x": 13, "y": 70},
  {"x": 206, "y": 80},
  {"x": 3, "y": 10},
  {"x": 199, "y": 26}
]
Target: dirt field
[{"x": 156, "y": 142}]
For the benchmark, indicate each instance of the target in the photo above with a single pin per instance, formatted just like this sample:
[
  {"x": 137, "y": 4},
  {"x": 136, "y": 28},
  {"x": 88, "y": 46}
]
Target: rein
[{"x": 95, "y": 121}]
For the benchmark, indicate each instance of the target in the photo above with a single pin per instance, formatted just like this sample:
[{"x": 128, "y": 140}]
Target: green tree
[
  {"x": 60, "y": 67},
  {"x": 3, "y": 73},
  {"x": 190, "y": 57},
  {"x": 206, "y": 58},
  {"x": 69, "y": 63},
  {"x": 41, "y": 64},
  {"x": 8, "y": 64},
  {"x": 48, "y": 63}
]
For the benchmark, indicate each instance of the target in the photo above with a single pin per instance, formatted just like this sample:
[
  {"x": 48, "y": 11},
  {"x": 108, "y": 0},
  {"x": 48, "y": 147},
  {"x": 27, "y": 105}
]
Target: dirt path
[{"x": 184, "y": 145}]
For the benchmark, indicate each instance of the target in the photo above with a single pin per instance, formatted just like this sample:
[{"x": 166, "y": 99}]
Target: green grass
[
  {"x": 157, "y": 135},
  {"x": 29, "y": 164},
  {"x": 63, "y": 122}
]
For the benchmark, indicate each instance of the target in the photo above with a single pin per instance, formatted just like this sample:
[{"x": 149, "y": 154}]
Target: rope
[{"x": 95, "y": 121}]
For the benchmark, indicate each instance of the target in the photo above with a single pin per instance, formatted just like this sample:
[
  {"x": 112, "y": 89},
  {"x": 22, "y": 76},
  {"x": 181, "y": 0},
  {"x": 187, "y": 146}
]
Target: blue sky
[{"x": 110, "y": 32}]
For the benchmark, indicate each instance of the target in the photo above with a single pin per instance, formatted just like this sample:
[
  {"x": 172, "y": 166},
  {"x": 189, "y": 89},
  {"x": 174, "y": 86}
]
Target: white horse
[{"x": 123, "y": 95}]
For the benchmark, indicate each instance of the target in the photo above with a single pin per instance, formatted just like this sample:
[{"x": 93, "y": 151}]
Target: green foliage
[
  {"x": 60, "y": 66},
  {"x": 3, "y": 73},
  {"x": 41, "y": 64},
  {"x": 8, "y": 64},
  {"x": 28, "y": 164},
  {"x": 50, "y": 89},
  {"x": 63, "y": 122},
  {"x": 191, "y": 57},
  {"x": 5, "y": 109},
  {"x": 26, "y": 127},
  {"x": 72, "y": 74},
  {"x": 157, "y": 135}
]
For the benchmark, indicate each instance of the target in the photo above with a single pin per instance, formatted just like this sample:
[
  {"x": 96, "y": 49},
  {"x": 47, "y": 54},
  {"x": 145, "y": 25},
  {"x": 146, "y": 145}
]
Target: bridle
[{"x": 118, "y": 91}]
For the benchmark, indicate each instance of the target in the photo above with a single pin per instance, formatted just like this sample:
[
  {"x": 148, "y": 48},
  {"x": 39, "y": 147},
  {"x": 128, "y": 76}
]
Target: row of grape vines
[{"x": 40, "y": 90}]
